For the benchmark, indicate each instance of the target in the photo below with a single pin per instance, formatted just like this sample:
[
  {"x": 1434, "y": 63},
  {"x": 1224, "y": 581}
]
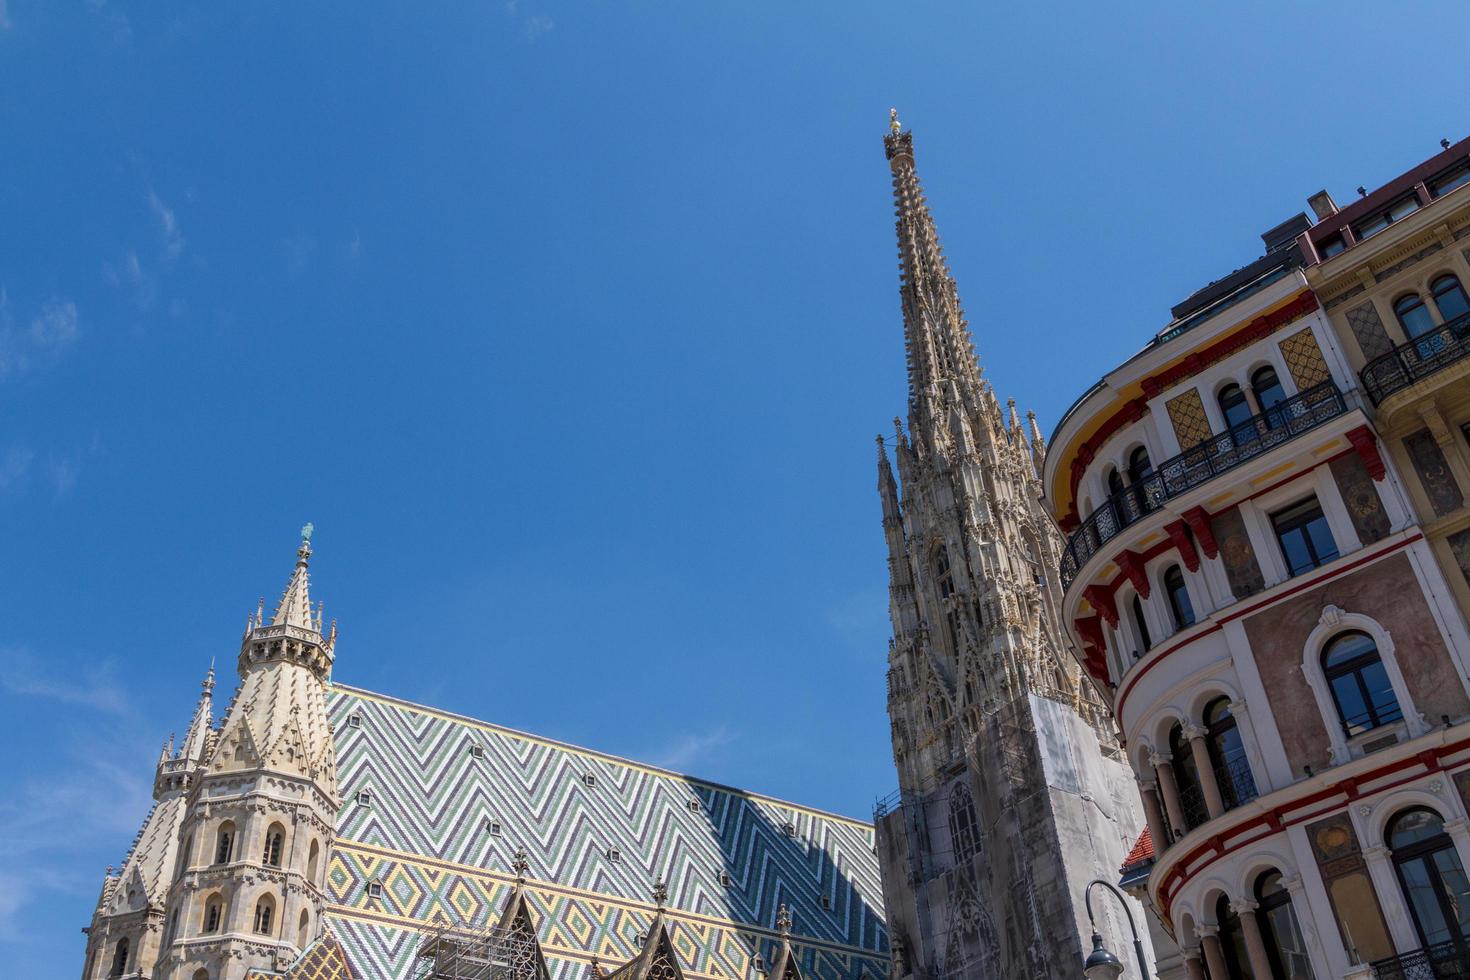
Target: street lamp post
[{"x": 1102, "y": 964}]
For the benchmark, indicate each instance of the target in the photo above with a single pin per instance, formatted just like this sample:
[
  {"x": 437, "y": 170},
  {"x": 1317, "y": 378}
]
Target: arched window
[
  {"x": 963, "y": 827},
  {"x": 224, "y": 842},
  {"x": 275, "y": 842},
  {"x": 1140, "y": 625},
  {"x": 1232, "y": 942},
  {"x": 1413, "y": 315},
  {"x": 1269, "y": 393},
  {"x": 311, "y": 857},
  {"x": 1360, "y": 686},
  {"x": 214, "y": 914},
  {"x": 1449, "y": 296},
  {"x": 943, "y": 574},
  {"x": 119, "y": 958},
  {"x": 303, "y": 929},
  {"x": 1285, "y": 946},
  {"x": 1431, "y": 875},
  {"x": 1115, "y": 483},
  {"x": 265, "y": 914},
  {"x": 1178, "y": 595},
  {"x": 1140, "y": 468},
  {"x": 1186, "y": 777},
  {"x": 201, "y": 974},
  {"x": 1237, "y": 411},
  {"x": 1227, "y": 754}
]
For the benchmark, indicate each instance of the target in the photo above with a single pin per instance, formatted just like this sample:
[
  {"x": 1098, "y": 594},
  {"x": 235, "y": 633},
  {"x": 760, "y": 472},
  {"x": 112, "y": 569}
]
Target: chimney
[{"x": 1322, "y": 205}]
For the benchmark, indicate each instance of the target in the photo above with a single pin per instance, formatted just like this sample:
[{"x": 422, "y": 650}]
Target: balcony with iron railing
[
  {"x": 1411, "y": 362},
  {"x": 1179, "y": 474},
  {"x": 1444, "y": 961},
  {"x": 1237, "y": 785}
]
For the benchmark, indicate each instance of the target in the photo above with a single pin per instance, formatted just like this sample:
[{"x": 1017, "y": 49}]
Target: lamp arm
[{"x": 1132, "y": 926}]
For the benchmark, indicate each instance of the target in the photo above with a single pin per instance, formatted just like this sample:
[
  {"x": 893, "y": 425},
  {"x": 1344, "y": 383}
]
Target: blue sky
[{"x": 570, "y": 326}]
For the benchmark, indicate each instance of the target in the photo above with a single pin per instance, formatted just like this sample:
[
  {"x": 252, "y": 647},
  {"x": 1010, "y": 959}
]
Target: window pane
[
  {"x": 1449, "y": 296},
  {"x": 1422, "y": 900},
  {"x": 1291, "y": 947},
  {"x": 1414, "y": 317},
  {"x": 1294, "y": 549},
  {"x": 1234, "y": 406},
  {"x": 1449, "y": 182},
  {"x": 1346, "y": 647},
  {"x": 1350, "y": 703},
  {"x": 1403, "y": 209},
  {"x": 1372, "y": 226},
  {"x": 1456, "y": 887},
  {"x": 1321, "y": 539},
  {"x": 1380, "y": 693}
]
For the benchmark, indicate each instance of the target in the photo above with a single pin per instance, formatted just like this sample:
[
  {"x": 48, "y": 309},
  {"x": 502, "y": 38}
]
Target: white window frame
[{"x": 1333, "y": 621}]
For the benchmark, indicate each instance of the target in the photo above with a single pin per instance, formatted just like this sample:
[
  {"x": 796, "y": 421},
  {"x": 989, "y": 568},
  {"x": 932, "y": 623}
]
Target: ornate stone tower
[
  {"x": 1012, "y": 792},
  {"x": 228, "y": 873}
]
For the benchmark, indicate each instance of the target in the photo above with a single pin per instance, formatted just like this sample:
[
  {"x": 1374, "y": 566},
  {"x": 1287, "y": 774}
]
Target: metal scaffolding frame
[{"x": 493, "y": 953}]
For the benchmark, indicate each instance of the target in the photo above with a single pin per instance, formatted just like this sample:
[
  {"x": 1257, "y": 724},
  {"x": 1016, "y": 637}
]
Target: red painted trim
[
  {"x": 1131, "y": 562},
  {"x": 1134, "y": 409},
  {"x": 1165, "y": 652},
  {"x": 1101, "y": 599},
  {"x": 1366, "y": 446},
  {"x": 1275, "y": 820},
  {"x": 1178, "y": 533},
  {"x": 1199, "y": 522}
]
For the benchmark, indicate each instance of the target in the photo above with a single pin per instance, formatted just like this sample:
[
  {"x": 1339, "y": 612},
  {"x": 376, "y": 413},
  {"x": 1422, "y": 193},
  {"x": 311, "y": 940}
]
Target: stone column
[
  {"x": 1164, "y": 767},
  {"x": 1205, "y": 769},
  {"x": 1391, "y": 898},
  {"x": 1153, "y": 813},
  {"x": 1214, "y": 953},
  {"x": 1255, "y": 944},
  {"x": 1194, "y": 967}
]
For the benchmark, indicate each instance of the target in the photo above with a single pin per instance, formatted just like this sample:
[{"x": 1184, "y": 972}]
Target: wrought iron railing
[
  {"x": 1419, "y": 358},
  {"x": 1237, "y": 785},
  {"x": 1219, "y": 454},
  {"x": 1445, "y": 961},
  {"x": 1192, "y": 802}
]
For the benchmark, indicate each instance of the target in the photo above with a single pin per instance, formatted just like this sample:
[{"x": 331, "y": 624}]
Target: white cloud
[
  {"x": 22, "y": 675},
  {"x": 537, "y": 26},
  {"x": 50, "y": 331},
  {"x": 690, "y": 748},
  {"x": 173, "y": 238}
]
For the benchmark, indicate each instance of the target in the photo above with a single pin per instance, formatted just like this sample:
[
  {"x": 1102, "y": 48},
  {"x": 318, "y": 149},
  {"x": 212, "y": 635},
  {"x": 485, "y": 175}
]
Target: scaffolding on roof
[{"x": 494, "y": 953}]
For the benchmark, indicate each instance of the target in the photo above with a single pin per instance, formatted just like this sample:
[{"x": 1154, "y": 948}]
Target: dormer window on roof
[
  {"x": 1449, "y": 180},
  {"x": 1397, "y": 211}
]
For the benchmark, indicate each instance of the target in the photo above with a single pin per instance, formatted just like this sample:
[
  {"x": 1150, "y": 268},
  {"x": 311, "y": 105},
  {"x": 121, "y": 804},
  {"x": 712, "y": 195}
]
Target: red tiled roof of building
[{"x": 1142, "y": 851}]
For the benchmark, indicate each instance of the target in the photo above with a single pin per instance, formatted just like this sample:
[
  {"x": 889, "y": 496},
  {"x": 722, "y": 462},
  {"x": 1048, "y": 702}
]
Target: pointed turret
[
  {"x": 935, "y": 332},
  {"x": 784, "y": 965},
  {"x": 294, "y": 609}
]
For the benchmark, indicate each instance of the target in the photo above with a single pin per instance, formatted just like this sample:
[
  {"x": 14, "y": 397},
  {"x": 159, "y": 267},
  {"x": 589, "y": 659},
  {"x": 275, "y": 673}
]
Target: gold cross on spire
[{"x": 894, "y": 126}]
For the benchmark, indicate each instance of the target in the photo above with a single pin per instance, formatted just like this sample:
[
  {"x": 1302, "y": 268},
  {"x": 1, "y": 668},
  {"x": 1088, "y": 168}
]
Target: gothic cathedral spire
[{"x": 978, "y": 856}]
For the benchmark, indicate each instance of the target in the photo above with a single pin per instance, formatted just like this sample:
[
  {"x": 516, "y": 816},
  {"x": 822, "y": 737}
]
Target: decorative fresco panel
[
  {"x": 1241, "y": 568},
  {"x": 1304, "y": 359},
  {"x": 1360, "y": 494},
  {"x": 1367, "y": 327},
  {"x": 1459, "y": 543},
  {"x": 1434, "y": 473},
  {"x": 1187, "y": 412}
]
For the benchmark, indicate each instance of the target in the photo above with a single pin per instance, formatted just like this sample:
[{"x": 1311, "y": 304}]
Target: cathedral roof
[{"x": 448, "y": 800}]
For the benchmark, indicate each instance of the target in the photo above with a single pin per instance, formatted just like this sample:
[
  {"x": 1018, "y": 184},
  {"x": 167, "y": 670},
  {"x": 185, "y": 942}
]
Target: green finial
[{"x": 306, "y": 531}]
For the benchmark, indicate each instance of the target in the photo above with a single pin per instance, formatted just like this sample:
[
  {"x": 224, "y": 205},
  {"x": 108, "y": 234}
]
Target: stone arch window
[
  {"x": 1140, "y": 624},
  {"x": 119, "y": 958},
  {"x": 224, "y": 842},
  {"x": 1236, "y": 411},
  {"x": 1431, "y": 875},
  {"x": 265, "y": 915},
  {"x": 1140, "y": 468},
  {"x": 944, "y": 578},
  {"x": 275, "y": 845},
  {"x": 303, "y": 929},
  {"x": 1450, "y": 297},
  {"x": 214, "y": 915},
  {"x": 1361, "y": 693},
  {"x": 964, "y": 828},
  {"x": 1286, "y": 946},
  {"x": 312, "y": 854},
  {"x": 1413, "y": 315},
  {"x": 1227, "y": 754},
  {"x": 1347, "y": 659},
  {"x": 1115, "y": 482},
  {"x": 1186, "y": 778},
  {"x": 1178, "y": 595},
  {"x": 1232, "y": 941},
  {"x": 1266, "y": 386}
]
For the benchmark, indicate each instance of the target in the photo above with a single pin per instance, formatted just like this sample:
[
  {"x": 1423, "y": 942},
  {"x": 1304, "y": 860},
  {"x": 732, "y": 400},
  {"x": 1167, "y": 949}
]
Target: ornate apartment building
[
  {"x": 1012, "y": 792},
  {"x": 1265, "y": 565},
  {"x": 322, "y": 832}
]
